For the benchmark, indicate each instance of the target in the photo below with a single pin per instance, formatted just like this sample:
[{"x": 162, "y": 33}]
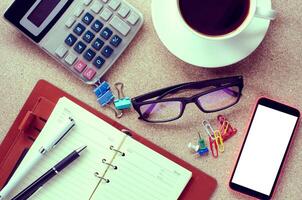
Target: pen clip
[
  {"x": 210, "y": 131},
  {"x": 57, "y": 138},
  {"x": 66, "y": 130}
]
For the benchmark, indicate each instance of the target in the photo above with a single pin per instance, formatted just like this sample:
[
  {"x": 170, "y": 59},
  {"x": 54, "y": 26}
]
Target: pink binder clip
[{"x": 227, "y": 131}]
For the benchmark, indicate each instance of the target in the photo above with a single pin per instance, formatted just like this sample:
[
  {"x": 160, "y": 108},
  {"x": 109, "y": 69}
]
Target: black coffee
[{"x": 214, "y": 17}]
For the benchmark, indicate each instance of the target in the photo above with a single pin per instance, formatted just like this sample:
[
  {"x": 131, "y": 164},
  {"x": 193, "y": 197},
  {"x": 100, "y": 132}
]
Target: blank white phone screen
[{"x": 264, "y": 149}]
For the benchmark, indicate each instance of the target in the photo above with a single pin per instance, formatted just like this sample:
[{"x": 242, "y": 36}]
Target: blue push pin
[
  {"x": 203, "y": 149},
  {"x": 122, "y": 102}
]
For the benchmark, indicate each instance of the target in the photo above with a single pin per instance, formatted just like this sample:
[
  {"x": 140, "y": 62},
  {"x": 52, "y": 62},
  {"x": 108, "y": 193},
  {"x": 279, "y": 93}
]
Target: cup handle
[{"x": 265, "y": 13}]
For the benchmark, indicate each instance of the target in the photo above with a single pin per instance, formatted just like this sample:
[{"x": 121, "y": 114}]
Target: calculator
[{"x": 85, "y": 36}]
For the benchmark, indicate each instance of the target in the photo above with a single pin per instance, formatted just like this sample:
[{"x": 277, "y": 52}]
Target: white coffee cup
[{"x": 254, "y": 11}]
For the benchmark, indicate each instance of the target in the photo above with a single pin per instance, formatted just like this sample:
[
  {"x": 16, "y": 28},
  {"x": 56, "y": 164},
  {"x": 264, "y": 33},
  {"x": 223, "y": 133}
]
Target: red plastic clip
[
  {"x": 227, "y": 131},
  {"x": 215, "y": 150}
]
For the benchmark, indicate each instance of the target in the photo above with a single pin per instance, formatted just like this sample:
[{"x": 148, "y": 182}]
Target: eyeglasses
[{"x": 213, "y": 95}]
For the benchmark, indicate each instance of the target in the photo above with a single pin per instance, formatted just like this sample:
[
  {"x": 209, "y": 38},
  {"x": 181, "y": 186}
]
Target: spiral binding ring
[
  {"x": 96, "y": 174},
  {"x": 109, "y": 164},
  {"x": 113, "y": 149}
]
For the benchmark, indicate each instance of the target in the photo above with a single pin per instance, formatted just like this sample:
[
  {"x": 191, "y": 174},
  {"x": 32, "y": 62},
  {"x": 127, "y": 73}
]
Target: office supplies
[
  {"x": 227, "y": 130},
  {"x": 122, "y": 102},
  {"x": 200, "y": 185},
  {"x": 208, "y": 128},
  {"x": 219, "y": 141},
  {"x": 193, "y": 148},
  {"x": 106, "y": 98},
  {"x": 85, "y": 36},
  {"x": 58, "y": 134},
  {"x": 265, "y": 147},
  {"x": 101, "y": 89},
  {"x": 37, "y": 184},
  {"x": 213, "y": 147},
  {"x": 203, "y": 149},
  {"x": 214, "y": 95},
  {"x": 114, "y": 155}
]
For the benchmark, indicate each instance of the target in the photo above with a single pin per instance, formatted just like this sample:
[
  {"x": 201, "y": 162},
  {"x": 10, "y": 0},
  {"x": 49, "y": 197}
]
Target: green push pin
[{"x": 202, "y": 143}]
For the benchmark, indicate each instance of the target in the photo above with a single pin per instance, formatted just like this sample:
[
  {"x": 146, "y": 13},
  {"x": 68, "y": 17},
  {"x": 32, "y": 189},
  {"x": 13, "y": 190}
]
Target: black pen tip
[{"x": 79, "y": 150}]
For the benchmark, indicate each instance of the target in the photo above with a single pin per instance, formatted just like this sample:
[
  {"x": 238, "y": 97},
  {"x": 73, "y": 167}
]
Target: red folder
[{"x": 34, "y": 115}]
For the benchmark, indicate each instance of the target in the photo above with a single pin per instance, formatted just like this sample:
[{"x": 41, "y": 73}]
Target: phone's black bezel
[{"x": 280, "y": 107}]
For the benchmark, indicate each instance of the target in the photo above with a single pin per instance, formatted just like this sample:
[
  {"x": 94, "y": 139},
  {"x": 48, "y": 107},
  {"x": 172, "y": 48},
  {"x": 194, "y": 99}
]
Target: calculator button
[
  {"x": 89, "y": 73},
  {"x": 107, "y": 51},
  {"x": 79, "y": 47},
  {"x": 88, "y": 36},
  {"x": 97, "y": 44},
  {"x": 79, "y": 29},
  {"x": 97, "y": 26},
  {"x": 80, "y": 66},
  {"x": 70, "y": 22},
  {"x": 87, "y": 2},
  {"x": 70, "y": 40},
  {"x": 98, "y": 62},
  {"x": 106, "y": 33},
  {"x": 115, "y": 41},
  {"x": 87, "y": 19},
  {"x": 89, "y": 55},
  {"x": 114, "y": 4},
  {"x": 96, "y": 7},
  {"x": 61, "y": 51},
  {"x": 133, "y": 18},
  {"x": 106, "y": 14},
  {"x": 123, "y": 10},
  {"x": 78, "y": 11},
  {"x": 120, "y": 25},
  {"x": 70, "y": 58}
]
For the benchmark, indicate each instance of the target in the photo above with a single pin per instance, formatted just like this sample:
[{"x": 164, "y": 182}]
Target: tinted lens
[
  {"x": 162, "y": 111},
  {"x": 219, "y": 99}
]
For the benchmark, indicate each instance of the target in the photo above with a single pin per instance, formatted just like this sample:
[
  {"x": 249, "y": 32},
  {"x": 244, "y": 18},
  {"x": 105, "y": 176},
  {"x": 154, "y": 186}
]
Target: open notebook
[{"x": 141, "y": 173}]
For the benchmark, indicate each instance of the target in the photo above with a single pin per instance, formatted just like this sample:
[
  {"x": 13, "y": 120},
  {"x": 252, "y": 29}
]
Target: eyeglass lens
[{"x": 169, "y": 110}]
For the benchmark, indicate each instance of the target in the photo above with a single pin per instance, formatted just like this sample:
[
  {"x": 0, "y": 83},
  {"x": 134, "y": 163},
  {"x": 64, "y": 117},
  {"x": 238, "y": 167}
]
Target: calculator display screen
[{"x": 42, "y": 11}]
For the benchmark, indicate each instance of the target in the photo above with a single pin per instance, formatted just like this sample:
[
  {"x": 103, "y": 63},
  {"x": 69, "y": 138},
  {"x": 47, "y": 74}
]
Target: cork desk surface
[{"x": 274, "y": 69}]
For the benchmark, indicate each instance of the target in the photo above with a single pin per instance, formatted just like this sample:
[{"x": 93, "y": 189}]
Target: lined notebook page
[
  {"x": 77, "y": 181},
  {"x": 142, "y": 174}
]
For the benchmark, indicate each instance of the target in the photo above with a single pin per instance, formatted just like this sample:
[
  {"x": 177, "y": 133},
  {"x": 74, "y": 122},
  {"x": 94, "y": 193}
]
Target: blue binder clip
[
  {"x": 122, "y": 102},
  {"x": 106, "y": 98},
  {"x": 101, "y": 89}
]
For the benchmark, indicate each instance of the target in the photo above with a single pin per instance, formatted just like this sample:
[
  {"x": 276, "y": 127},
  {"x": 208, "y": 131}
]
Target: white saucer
[{"x": 198, "y": 51}]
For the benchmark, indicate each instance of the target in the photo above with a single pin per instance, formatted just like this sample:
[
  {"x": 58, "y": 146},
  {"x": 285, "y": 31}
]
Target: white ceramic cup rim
[{"x": 239, "y": 29}]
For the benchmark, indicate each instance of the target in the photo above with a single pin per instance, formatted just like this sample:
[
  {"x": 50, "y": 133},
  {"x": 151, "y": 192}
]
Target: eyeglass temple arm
[
  {"x": 151, "y": 107},
  {"x": 199, "y": 84}
]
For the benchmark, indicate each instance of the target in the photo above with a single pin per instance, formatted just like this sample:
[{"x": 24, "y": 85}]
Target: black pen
[{"x": 37, "y": 184}]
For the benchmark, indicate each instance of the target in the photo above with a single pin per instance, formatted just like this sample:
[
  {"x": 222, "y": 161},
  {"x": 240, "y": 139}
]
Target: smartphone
[{"x": 264, "y": 149}]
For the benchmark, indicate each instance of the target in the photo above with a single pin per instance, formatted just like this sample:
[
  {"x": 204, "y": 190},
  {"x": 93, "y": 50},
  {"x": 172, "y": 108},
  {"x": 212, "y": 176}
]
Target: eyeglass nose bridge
[{"x": 194, "y": 100}]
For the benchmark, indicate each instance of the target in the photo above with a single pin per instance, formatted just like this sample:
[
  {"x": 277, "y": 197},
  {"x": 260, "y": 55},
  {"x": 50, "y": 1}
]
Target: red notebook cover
[{"x": 34, "y": 115}]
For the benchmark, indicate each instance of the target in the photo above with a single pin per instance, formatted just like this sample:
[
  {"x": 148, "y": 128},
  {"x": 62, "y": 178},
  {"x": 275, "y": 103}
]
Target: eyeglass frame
[{"x": 221, "y": 83}]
